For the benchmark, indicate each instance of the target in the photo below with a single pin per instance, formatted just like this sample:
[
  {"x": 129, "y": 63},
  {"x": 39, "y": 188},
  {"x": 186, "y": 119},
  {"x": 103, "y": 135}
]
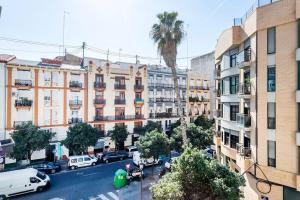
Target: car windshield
[{"x": 41, "y": 175}]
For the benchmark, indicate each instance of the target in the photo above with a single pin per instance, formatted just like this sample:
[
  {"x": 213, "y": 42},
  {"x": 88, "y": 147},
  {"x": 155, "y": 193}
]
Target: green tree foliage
[
  {"x": 153, "y": 144},
  {"x": 195, "y": 177},
  {"x": 29, "y": 138},
  {"x": 80, "y": 137},
  {"x": 197, "y": 136},
  {"x": 204, "y": 122},
  {"x": 151, "y": 126},
  {"x": 119, "y": 135}
]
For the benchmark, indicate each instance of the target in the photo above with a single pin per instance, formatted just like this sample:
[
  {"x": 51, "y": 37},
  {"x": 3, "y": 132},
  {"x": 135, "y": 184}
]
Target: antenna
[
  {"x": 63, "y": 45},
  {"x": 107, "y": 55}
]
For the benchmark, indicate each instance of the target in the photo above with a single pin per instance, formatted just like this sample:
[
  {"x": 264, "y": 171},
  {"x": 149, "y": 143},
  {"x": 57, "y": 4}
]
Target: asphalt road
[{"x": 92, "y": 183}]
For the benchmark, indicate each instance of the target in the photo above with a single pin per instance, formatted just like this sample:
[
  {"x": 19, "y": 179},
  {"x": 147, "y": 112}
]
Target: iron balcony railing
[
  {"x": 199, "y": 87},
  {"x": 117, "y": 117},
  {"x": 243, "y": 120},
  {"x": 21, "y": 123},
  {"x": 75, "y": 120},
  {"x": 99, "y": 85},
  {"x": 139, "y": 87},
  {"x": 75, "y": 84},
  {"x": 139, "y": 116},
  {"x": 120, "y": 86},
  {"x": 25, "y": 83},
  {"x": 138, "y": 101},
  {"x": 243, "y": 56},
  {"x": 75, "y": 102},
  {"x": 99, "y": 101},
  {"x": 243, "y": 151},
  {"x": 245, "y": 89},
  {"x": 120, "y": 101},
  {"x": 23, "y": 103}
]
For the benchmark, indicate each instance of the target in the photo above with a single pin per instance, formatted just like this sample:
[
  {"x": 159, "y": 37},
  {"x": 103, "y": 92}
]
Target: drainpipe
[
  {"x": 4, "y": 125},
  {"x": 256, "y": 100}
]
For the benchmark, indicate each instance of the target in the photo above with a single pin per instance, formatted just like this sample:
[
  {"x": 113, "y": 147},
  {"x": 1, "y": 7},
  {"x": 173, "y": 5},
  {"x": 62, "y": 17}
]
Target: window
[
  {"x": 271, "y": 39},
  {"x": 138, "y": 81},
  {"x": 86, "y": 159},
  {"x": 298, "y": 160},
  {"x": 233, "y": 141},
  {"x": 234, "y": 84},
  {"x": 99, "y": 78},
  {"x": 233, "y": 60},
  {"x": 80, "y": 159},
  {"x": 222, "y": 87},
  {"x": 271, "y": 115},
  {"x": 227, "y": 135},
  {"x": 234, "y": 109},
  {"x": 271, "y": 153},
  {"x": 271, "y": 79},
  {"x": 298, "y": 117}
]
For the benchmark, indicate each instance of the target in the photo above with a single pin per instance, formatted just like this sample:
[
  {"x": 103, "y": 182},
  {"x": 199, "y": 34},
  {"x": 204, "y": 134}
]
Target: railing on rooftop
[{"x": 250, "y": 11}]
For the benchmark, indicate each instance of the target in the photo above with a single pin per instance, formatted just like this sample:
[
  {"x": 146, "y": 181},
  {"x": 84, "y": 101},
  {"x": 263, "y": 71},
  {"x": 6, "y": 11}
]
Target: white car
[
  {"x": 130, "y": 150},
  {"x": 22, "y": 181},
  {"x": 81, "y": 161},
  {"x": 137, "y": 160}
]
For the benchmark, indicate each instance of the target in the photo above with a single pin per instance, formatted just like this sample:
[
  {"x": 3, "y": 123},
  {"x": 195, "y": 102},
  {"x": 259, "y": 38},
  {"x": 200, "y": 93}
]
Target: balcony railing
[
  {"x": 163, "y": 115},
  {"x": 138, "y": 130},
  {"x": 243, "y": 151},
  {"x": 243, "y": 56},
  {"x": 245, "y": 89},
  {"x": 120, "y": 101},
  {"x": 21, "y": 123},
  {"x": 120, "y": 87},
  {"x": 99, "y": 85},
  {"x": 138, "y": 87},
  {"x": 139, "y": 116},
  {"x": 197, "y": 99},
  {"x": 243, "y": 120},
  {"x": 75, "y": 84},
  {"x": 23, "y": 83},
  {"x": 139, "y": 101},
  {"x": 271, "y": 122},
  {"x": 75, "y": 102},
  {"x": 23, "y": 103},
  {"x": 199, "y": 87},
  {"x": 118, "y": 117},
  {"x": 99, "y": 101},
  {"x": 75, "y": 120}
]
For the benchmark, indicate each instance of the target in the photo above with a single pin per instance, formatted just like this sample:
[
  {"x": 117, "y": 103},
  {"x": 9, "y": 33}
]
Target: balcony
[
  {"x": 218, "y": 73},
  {"x": 243, "y": 120},
  {"x": 75, "y": 104},
  {"x": 199, "y": 88},
  {"x": 99, "y": 85},
  {"x": 75, "y": 86},
  {"x": 217, "y": 138},
  {"x": 218, "y": 114},
  {"x": 99, "y": 103},
  {"x": 244, "y": 90},
  {"x": 218, "y": 92},
  {"x": 138, "y": 130},
  {"x": 74, "y": 120},
  {"x": 120, "y": 102},
  {"x": 120, "y": 87},
  {"x": 117, "y": 117},
  {"x": 23, "y": 84},
  {"x": 21, "y": 123},
  {"x": 139, "y": 101},
  {"x": 243, "y": 58},
  {"x": 138, "y": 87},
  {"x": 243, "y": 151},
  {"x": 163, "y": 115},
  {"x": 139, "y": 116},
  {"x": 23, "y": 104}
]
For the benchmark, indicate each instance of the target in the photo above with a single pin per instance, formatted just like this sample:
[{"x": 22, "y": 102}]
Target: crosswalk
[{"x": 107, "y": 196}]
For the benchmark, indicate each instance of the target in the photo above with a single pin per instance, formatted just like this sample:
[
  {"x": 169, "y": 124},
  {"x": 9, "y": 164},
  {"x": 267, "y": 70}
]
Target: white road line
[
  {"x": 89, "y": 174},
  {"x": 92, "y": 198},
  {"x": 56, "y": 198},
  {"x": 101, "y": 196},
  {"x": 113, "y": 195}
]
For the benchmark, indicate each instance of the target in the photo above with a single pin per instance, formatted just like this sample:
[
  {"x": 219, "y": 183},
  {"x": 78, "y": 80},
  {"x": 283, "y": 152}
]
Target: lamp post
[{"x": 141, "y": 165}]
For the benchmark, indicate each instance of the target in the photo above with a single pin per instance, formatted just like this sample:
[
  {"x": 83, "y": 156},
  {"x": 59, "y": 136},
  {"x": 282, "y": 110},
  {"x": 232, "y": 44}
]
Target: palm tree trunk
[{"x": 182, "y": 120}]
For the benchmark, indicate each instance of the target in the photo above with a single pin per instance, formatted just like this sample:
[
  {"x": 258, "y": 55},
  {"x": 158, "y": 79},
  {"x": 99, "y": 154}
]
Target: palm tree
[{"x": 168, "y": 34}]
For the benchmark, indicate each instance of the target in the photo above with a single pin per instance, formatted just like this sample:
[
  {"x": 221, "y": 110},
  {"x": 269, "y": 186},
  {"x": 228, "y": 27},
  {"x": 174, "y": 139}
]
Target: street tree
[
  {"x": 151, "y": 126},
  {"x": 168, "y": 33},
  {"x": 80, "y": 137},
  {"x": 204, "y": 122},
  {"x": 29, "y": 138},
  {"x": 197, "y": 136},
  {"x": 119, "y": 135},
  {"x": 194, "y": 176},
  {"x": 153, "y": 144}
]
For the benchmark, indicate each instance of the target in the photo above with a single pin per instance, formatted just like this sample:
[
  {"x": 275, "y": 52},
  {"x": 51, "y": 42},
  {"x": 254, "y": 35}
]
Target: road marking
[
  {"x": 113, "y": 195},
  {"x": 101, "y": 196},
  {"x": 89, "y": 174},
  {"x": 56, "y": 198}
]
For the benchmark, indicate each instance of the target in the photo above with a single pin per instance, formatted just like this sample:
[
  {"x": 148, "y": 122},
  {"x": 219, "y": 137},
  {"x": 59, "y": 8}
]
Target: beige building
[
  {"x": 258, "y": 104},
  {"x": 57, "y": 93}
]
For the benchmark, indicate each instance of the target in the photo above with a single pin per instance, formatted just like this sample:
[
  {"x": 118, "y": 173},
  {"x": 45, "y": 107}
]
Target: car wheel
[
  {"x": 2, "y": 197},
  {"x": 72, "y": 167},
  {"x": 93, "y": 164},
  {"x": 53, "y": 171},
  {"x": 106, "y": 161},
  {"x": 40, "y": 189}
]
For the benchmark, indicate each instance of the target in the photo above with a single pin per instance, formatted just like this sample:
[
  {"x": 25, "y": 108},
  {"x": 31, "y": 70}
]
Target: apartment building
[
  {"x": 198, "y": 95},
  {"x": 163, "y": 107},
  {"x": 57, "y": 93},
  {"x": 204, "y": 66},
  {"x": 257, "y": 117}
]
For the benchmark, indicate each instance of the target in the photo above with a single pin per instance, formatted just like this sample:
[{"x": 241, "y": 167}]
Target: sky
[{"x": 113, "y": 25}]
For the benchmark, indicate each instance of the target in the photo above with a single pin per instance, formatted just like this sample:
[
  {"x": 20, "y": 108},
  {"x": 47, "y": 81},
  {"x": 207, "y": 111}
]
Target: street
[{"x": 91, "y": 183}]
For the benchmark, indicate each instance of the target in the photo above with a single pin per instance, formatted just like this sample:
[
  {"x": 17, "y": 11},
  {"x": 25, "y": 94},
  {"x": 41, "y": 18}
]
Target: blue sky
[{"x": 112, "y": 24}]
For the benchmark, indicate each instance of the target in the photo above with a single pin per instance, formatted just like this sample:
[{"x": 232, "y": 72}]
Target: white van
[
  {"x": 81, "y": 161},
  {"x": 22, "y": 181},
  {"x": 130, "y": 150},
  {"x": 137, "y": 160}
]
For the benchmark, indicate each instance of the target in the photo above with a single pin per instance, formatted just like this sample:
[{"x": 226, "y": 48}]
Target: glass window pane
[{"x": 271, "y": 40}]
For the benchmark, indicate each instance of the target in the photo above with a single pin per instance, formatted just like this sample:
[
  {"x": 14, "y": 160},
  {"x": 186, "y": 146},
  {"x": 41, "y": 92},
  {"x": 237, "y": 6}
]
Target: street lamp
[{"x": 141, "y": 165}]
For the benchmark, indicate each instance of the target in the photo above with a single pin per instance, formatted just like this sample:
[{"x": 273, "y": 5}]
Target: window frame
[
  {"x": 273, "y": 162},
  {"x": 271, "y": 67},
  {"x": 269, "y": 50}
]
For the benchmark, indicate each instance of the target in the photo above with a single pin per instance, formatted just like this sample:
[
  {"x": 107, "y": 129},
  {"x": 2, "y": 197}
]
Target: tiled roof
[{"x": 6, "y": 58}]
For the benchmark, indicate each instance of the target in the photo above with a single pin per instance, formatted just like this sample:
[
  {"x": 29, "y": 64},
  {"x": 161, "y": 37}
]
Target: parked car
[
  {"x": 22, "y": 181},
  {"x": 130, "y": 150},
  {"x": 113, "y": 156},
  {"x": 48, "y": 168},
  {"x": 137, "y": 160},
  {"x": 81, "y": 161},
  {"x": 134, "y": 173}
]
